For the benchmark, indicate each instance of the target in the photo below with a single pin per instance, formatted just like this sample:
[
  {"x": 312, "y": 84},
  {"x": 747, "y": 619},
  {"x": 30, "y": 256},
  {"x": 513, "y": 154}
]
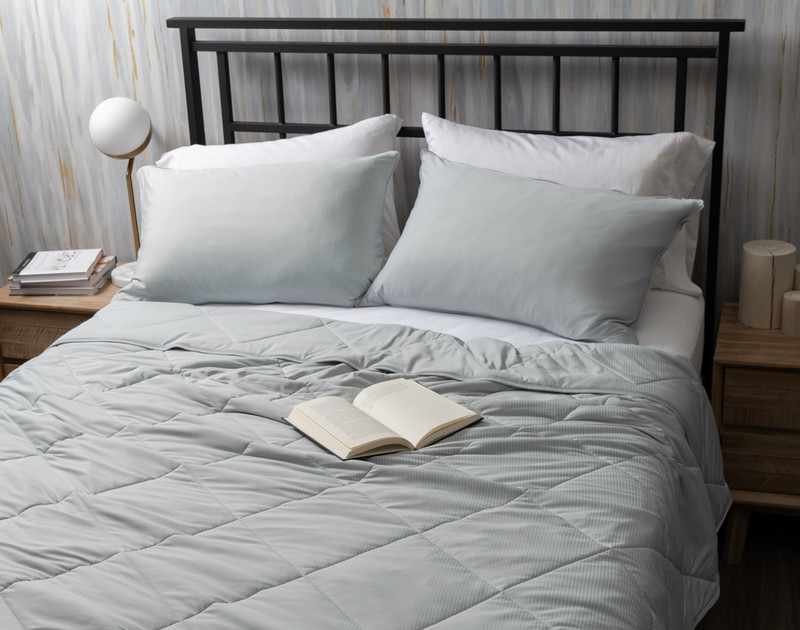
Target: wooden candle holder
[{"x": 767, "y": 273}]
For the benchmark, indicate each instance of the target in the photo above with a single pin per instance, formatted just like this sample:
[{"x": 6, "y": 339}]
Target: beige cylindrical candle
[
  {"x": 797, "y": 278},
  {"x": 767, "y": 273},
  {"x": 790, "y": 321}
]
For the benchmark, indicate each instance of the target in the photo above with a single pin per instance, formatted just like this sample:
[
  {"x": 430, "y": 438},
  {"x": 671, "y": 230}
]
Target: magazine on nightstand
[
  {"x": 62, "y": 264},
  {"x": 92, "y": 285}
]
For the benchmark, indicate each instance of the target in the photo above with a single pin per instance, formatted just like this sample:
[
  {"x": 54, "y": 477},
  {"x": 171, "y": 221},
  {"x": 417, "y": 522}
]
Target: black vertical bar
[
  {"x": 385, "y": 84},
  {"x": 440, "y": 86},
  {"x": 191, "y": 82},
  {"x": 498, "y": 94},
  {"x": 556, "y": 94},
  {"x": 680, "y": 94},
  {"x": 331, "y": 90},
  {"x": 225, "y": 98},
  {"x": 712, "y": 242},
  {"x": 281, "y": 101},
  {"x": 615, "y": 96}
]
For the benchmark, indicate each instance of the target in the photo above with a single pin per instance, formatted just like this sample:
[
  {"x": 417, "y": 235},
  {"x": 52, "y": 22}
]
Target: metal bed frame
[{"x": 191, "y": 46}]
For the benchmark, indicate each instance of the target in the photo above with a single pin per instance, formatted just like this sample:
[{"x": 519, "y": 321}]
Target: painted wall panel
[{"x": 58, "y": 59}]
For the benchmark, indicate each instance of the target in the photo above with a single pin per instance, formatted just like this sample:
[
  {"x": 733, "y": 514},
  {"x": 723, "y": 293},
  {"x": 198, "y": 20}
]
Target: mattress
[
  {"x": 669, "y": 321},
  {"x": 150, "y": 482}
]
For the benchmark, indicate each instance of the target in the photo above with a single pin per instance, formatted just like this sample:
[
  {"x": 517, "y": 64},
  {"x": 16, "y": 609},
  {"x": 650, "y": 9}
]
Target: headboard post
[
  {"x": 556, "y": 125},
  {"x": 615, "y": 96},
  {"x": 386, "y": 98},
  {"x": 715, "y": 201},
  {"x": 498, "y": 91},
  {"x": 279, "y": 96},
  {"x": 681, "y": 76},
  {"x": 225, "y": 97},
  {"x": 191, "y": 81},
  {"x": 441, "y": 102}
]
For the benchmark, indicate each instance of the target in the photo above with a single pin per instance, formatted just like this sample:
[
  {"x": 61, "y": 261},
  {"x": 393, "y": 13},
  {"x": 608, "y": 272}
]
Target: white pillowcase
[
  {"x": 667, "y": 164},
  {"x": 367, "y": 137}
]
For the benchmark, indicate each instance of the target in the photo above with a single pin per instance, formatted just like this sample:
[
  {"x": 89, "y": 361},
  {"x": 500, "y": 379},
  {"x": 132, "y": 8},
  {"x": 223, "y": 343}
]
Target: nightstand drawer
[
  {"x": 23, "y": 343},
  {"x": 25, "y": 334},
  {"x": 763, "y": 398},
  {"x": 763, "y": 462},
  {"x": 41, "y": 319},
  {"x": 29, "y": 324},
  {"x": 756, "y": 400}
]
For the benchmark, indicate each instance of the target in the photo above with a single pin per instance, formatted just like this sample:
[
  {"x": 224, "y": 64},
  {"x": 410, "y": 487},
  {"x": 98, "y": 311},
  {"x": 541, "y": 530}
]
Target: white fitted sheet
[{"x": 669, "y": 321}]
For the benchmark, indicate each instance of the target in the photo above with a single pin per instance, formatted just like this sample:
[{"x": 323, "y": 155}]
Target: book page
[
  {"x": 411, "y": 410},
  {"x": 351, "y": 426}
]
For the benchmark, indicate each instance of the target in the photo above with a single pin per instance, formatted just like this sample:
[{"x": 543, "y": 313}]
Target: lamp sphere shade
[{"x": 120, "y": 127}]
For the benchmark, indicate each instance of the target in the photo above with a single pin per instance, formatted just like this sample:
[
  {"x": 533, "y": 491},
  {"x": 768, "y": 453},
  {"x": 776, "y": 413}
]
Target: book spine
[{"x": 23, "y": 264}]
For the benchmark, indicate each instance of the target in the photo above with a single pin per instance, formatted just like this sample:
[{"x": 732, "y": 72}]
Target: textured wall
[{"x": 60, "y": 58}]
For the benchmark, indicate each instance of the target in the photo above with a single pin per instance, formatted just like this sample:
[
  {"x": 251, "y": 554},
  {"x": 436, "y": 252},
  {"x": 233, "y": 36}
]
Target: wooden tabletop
[
  {"x": 83, "y": 304},
  {"x": 738, "y": 344}
]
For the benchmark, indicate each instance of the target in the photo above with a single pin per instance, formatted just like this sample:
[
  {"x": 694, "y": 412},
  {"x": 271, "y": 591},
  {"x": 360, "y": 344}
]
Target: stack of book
[{"x": 62, "y": 272}]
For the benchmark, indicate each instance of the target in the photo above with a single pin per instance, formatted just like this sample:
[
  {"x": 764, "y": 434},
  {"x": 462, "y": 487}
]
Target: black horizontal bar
[
  {"x": 279, "y": 127},
  {"x": 436, "y": 24},
  {"x": 427, "y": 48},
  {"x": 408, "y": 131},
  {"x": 299, "y": 128}
]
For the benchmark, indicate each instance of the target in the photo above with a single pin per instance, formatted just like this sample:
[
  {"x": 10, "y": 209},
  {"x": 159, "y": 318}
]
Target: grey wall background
[{"x": 59, "y": 59}]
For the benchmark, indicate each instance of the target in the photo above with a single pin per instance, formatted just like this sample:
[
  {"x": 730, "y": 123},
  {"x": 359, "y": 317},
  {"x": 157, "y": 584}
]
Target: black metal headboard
[{"x": 681, "y": 53}]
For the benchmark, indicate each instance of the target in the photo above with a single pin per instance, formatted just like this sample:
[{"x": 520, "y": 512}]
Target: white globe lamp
[{"x": 121, "y": 128}]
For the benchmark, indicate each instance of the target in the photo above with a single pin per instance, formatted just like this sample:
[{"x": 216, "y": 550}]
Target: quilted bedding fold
[{"x": 148, "y": 482}]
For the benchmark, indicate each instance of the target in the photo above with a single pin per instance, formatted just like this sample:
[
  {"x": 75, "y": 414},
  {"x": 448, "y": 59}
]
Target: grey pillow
[
  {"x": 576, "y": 262},
  {"x": 303, "y": 232}
]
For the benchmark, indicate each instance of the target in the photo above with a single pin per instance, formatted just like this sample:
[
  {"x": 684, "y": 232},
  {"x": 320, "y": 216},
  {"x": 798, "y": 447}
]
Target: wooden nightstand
[
  {"x": 756, "y": 400},
  {"x": 28, "y": 324}
]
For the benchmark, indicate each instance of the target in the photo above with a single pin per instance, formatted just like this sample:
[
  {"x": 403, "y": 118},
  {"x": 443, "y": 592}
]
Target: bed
[{"x": 150, "y": 480}]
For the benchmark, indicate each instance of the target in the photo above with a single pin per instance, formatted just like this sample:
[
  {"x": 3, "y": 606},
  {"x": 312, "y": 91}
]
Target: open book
[{"x": 391, "y": 416}]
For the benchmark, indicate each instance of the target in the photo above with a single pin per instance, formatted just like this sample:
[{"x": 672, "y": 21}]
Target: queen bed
[{"x": 543, "y": 280}]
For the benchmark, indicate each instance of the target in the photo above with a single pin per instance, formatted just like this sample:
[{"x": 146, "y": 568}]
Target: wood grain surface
[
  {"x": 29, "y": 324},
  {"x": 84, "y": 304},
  {"x": 755, "y": 392},
  {"x": 757, "y": 406},
  {"x": 738, "y": 345}
]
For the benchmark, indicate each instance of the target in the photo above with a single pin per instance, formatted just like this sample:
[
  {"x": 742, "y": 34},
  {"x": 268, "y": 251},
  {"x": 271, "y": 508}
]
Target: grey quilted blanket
[{"x": 147, "y": 481}]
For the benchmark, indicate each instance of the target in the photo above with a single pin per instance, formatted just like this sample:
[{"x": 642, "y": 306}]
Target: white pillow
[
  {"x": 367, "y": 137},
  {"x": 659, "y": 165},
  {"x": 304, "y": 232}
]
